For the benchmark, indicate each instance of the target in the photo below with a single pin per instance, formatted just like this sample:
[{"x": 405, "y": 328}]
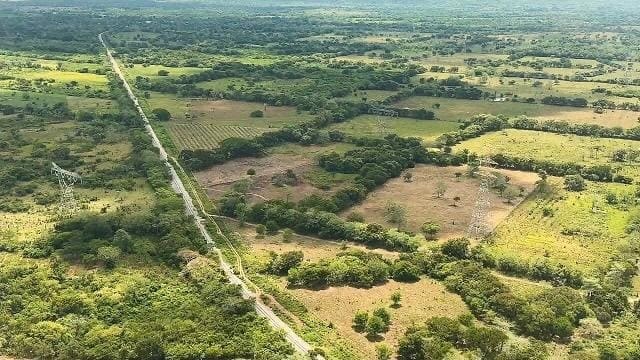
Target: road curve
[{"x": 176, "y": 183}]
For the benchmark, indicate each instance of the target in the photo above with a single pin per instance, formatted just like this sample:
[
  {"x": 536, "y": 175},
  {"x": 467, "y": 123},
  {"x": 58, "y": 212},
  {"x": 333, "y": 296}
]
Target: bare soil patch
[{"x": 422, "y": 205}]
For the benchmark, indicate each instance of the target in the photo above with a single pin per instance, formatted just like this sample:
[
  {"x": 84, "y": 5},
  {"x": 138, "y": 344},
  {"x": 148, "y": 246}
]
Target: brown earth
[{"x": 422, "y": 205}]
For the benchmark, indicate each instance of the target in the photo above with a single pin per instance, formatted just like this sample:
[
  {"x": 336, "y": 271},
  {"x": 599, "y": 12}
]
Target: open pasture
[
  {"x": 225, "y": 112},
  {"x": 578, "y": 229},
  {"x": 208, "y": 136},
  {"x": 457, "y": 109},
  {"x": 380, "y": 126},
  {"x": 420, "y": 301},
  {"x": 553, "y": 147},
  {"x": 422, "y": 205}
]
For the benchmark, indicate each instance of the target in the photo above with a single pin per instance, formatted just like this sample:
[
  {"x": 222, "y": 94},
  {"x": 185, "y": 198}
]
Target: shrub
[
  {"x": 574, "y": 183},
  {"x": 161, "y": 114},
  {"x": 257, "y": 114}
]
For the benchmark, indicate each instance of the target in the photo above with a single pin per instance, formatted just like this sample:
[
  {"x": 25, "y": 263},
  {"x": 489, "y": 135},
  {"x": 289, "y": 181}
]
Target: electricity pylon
[
  {"x": 381, "y": 124},
  {"x": 66, "y": 180},
  {"x": 478, "y": 225}
]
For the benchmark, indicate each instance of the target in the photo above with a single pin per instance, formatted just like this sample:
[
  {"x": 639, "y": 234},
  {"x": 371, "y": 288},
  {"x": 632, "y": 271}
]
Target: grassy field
[
  {"x": 208, "y": 136},
  {"x": 368, "y": 95},
  {"x": 584, "y": 231},
  {"x": 457, "y": 109},
  {"x": 421, "y": 205},
  {"x": 368, "y": 125},
  {"x": 224, "y": 112},
  {"x": 553, "y": 147},
  {"x": 199, "y": 123}
]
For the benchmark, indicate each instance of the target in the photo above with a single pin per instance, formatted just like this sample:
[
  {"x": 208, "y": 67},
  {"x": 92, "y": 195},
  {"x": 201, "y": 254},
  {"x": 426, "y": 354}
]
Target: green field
[
  {"x": 207, "y": 136},
  {"x": 368, "y": 125},
  {"x": 457, "y": 109},
  {"x": 553, "y": 147},
  {"x": 584, "y": 231}
]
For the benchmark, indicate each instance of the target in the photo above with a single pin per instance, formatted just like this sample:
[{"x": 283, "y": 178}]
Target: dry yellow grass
[
  {"x": 421, "y": 205},
  {"x": 420, "y": 301}
]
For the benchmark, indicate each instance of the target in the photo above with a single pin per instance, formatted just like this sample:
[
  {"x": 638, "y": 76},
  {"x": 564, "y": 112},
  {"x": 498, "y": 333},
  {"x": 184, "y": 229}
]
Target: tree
[
  {"x": 415, "y": 347},
  {"x": 360, "y": 321},
  {"x": 441, "y": 189},
  {"x": 383, "y": 314},
  {"x": 123, "y": 240},
  {"x": 109, "y": 255},
  {"x": 407, "y": 176},
  {"x": 430, "y": 229},
  {"x": 457, "y": 248},
  {"x": 510, "y": 193},
  {"x": 574, "y": 183},
  {"x": 375, "y": 325},
  {"x": 161, "y": 114},
  {"x": 287, "y": 235},
  {"x": 383, "y": 352},
  {"x": 395, "y": 298},
  {"x": 456, "y": 200},
  {"x": 261, "y": 230},
  {"x": 395, "y": 213},
  {"x": 405, "y": 271},
  {"x": 163, "y": 72}
]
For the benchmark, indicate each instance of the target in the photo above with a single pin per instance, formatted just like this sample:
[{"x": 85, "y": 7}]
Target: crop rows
[{"x": 208, "y": 136}]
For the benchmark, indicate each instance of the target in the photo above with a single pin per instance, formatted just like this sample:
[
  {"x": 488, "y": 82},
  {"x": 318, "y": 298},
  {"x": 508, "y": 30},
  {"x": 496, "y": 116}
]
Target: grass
[
  {"x": 583, "y": 232},
  {"x": 457, "y": 109},
  {"x": 553, "y": 147},
  {"x": 199, "y": 123},
  {"x": 368, "y": 125},
  {"x": 368, "y": 95},
  {"x": 208, "y": 136},
  {"x": 224, "y": 112}
]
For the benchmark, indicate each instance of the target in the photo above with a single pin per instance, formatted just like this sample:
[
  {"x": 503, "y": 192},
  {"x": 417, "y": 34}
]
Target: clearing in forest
[
  {"x": 421, "y": 203},
  {"x": 380, "y": 126}
]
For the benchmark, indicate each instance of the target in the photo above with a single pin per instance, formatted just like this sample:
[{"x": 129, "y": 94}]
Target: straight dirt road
[{"x": 176, "y": 183}]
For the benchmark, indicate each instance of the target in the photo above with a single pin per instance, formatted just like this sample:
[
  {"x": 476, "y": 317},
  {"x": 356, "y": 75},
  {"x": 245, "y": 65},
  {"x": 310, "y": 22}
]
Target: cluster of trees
[
  {"x": 337, "y": 80},
  {"x": 564, "y": 101},
  {"x": 354, "y": 268},
  {"x": 564, "y": 127},
  {"x": 278, "y": 214},
  {"x": 373, "y": 324},
  {"x": 444, "y": 88},
  {"x": 551, "y": 314},
  {"x": 604, "y": 173},
  {"x": 557, "y": 274},
  {"x": 439, "y": 335}
]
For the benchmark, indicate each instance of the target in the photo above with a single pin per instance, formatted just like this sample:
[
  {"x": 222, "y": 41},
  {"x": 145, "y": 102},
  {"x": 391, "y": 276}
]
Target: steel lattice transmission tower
[
  {"x": 66, "y": 180},
  {"x": 478, "y": 226},
  {"x": 381, "y": 123}
]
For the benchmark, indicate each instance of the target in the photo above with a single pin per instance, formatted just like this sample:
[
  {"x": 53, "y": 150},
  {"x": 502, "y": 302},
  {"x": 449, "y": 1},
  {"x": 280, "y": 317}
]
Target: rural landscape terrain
[{"x": 312, "y": 179}]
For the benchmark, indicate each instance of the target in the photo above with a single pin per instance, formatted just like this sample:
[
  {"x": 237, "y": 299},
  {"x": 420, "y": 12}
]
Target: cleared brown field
[
  {"x": 420, "y": 301},
  {"x": 219, "y": 179},
  {"x": 421, "y": 205}
]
